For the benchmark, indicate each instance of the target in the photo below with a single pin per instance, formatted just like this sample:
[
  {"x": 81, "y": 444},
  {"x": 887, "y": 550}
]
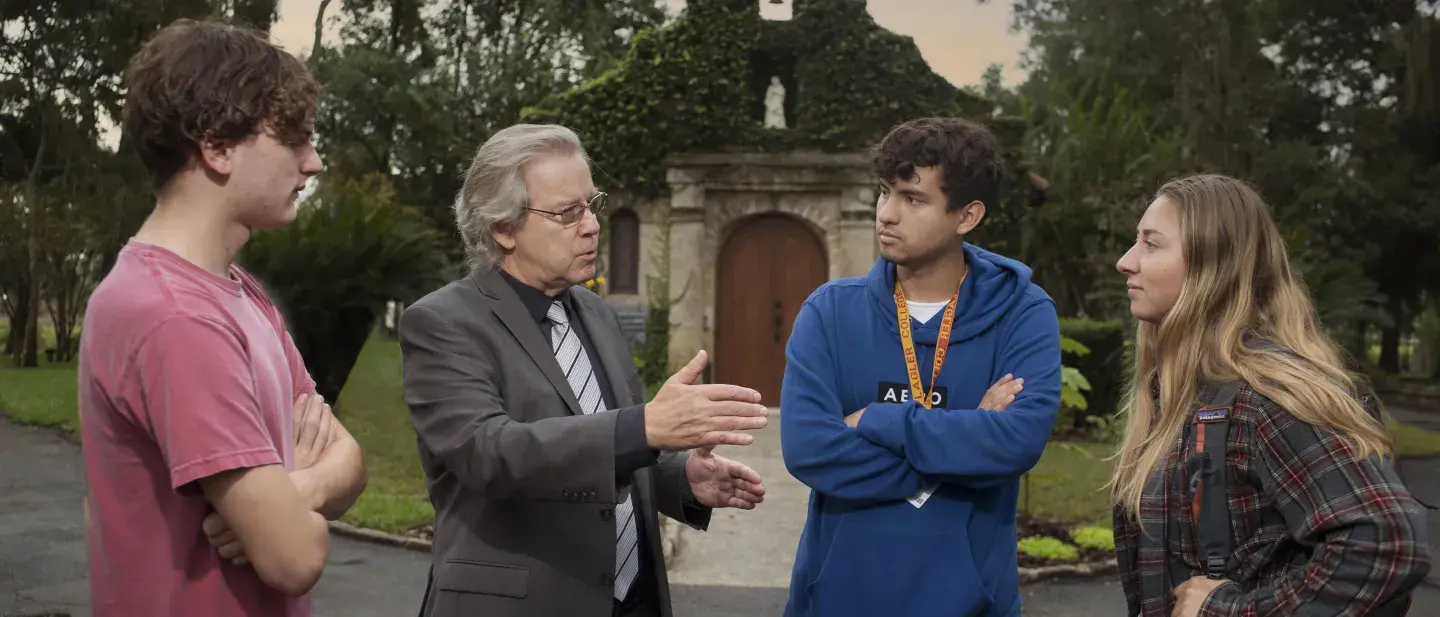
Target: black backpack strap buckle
[{"x": 1215, "y": 566}]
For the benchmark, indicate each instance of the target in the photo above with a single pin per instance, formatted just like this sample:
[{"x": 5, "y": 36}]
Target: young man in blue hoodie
[{"x": 914, "y": 398}]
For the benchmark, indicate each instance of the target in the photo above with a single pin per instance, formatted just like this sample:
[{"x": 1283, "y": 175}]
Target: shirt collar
[{"x": 537, "y": 304}]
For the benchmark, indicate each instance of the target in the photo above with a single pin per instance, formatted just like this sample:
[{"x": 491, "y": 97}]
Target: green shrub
[
  {"x": 353, "y": 246},
  {"x": 1044, "y": 547},
  {"x": 1103, "y": 367},
  {"x": 1097, "y": 538},
  {"x": 653, "y": 359},
  {"x": 1073, "y": 385}
]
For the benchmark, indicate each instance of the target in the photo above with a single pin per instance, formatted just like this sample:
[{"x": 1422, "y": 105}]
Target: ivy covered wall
[{"x": 698, "y": 84}]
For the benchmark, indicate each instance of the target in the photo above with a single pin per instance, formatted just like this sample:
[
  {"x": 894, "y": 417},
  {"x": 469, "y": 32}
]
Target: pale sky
[{"x": 959, "y": 38}]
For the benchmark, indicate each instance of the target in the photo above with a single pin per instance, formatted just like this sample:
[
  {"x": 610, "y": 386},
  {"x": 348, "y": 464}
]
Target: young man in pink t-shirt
[{"x": 211, "y": 464}]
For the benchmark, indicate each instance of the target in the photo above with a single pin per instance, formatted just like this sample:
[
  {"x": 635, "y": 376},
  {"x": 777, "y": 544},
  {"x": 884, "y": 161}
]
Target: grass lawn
[
  {"x": 372, "y": 408},
  {"x": 1065, "y": 485},
  {"x": 1413, "y": 441},
  {"x": 43, "y": 396}
]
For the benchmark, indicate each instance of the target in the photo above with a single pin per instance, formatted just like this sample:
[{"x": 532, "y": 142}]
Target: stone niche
[{"x": 815, "y": 216}]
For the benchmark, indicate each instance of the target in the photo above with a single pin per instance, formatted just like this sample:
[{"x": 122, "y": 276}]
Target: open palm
[{"x": 718, "y": 482}]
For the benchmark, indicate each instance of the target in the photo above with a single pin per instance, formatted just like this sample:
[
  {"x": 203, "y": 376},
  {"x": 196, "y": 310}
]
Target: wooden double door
[{"x": 766, "y": 269}]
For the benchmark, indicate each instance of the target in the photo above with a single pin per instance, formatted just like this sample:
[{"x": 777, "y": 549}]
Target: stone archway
[
  {"x": 821, "y": 202},
  {"x": 766, "y": 268}
]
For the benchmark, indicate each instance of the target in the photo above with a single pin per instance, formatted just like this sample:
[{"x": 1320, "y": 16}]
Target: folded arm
[
  {"x": 195, "y": 376},
  {"x": 333, "y": 483},
  {"x": 285, "y": 542},
  {"x": 451, "y": 388},
  {"x": 819, "y": 449},
  {"x": 977, "y": 447},
  {"x": 1368, "y": 534}
]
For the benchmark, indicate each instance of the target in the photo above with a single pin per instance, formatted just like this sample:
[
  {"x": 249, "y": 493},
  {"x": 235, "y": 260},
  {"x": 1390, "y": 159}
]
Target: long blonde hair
[{"x": 1238, "y": 286}]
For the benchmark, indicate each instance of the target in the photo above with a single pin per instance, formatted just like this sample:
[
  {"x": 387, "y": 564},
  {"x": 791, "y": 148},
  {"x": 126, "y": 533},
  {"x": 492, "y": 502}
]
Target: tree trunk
[
  {"x": 319, "y": 28},
  {"x": 1390, "y": 349},
  {"x": 30, "y": 357},
  {"x": 16, "y": 339},
  {"x": 331, "y": 348},
  {"x": 63, "y": 326},
  {"x": 1390, "y": 337}
]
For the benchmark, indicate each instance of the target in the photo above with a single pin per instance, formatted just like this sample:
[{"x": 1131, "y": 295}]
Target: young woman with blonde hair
[{"x": 1307, "y": 516}]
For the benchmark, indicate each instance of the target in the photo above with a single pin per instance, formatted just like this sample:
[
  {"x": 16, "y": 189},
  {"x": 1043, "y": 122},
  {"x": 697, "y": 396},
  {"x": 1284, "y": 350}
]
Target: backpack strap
[{"x": 1210, "y": 505}]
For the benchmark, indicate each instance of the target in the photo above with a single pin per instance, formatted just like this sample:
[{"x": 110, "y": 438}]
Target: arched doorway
[{"x": 766, "y": 269}]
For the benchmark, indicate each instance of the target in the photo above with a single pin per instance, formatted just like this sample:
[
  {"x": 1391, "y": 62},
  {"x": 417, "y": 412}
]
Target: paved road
[
  {"x": 42, "y": 555},
  {"x": 42, "y": 552}
]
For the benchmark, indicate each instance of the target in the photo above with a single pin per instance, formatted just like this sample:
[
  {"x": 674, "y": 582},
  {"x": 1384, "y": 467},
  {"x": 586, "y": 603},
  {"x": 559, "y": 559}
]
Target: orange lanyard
[{"x": 942, "y": 344}]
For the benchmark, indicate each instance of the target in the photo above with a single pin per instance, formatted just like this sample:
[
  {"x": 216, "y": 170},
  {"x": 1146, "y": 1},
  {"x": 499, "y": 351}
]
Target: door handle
[{"x": 776, "y": 313}]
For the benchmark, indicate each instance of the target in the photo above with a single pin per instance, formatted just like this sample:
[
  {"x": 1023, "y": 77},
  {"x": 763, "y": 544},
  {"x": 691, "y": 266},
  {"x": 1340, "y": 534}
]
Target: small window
[{"x": 624, "y": 252}]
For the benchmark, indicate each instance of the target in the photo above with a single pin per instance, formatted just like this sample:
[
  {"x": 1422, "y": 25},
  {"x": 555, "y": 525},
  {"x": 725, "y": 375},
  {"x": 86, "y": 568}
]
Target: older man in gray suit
[{"x": 544, "y": 462}]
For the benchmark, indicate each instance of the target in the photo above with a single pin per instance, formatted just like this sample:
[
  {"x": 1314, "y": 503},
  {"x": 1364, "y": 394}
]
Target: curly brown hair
[
  {"x": 967, "y": 153},
  {"x": 202, "y": 81}
]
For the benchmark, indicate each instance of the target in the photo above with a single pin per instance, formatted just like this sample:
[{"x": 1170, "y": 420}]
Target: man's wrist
[
  {"x": 687, "y": 486},
  {"x": 632, "y": 448},
  {"x": 650, "y": 437}
]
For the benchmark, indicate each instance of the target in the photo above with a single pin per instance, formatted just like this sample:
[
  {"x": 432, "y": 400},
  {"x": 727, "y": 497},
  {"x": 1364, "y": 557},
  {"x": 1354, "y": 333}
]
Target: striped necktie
[{"x": 576, "y": 364}]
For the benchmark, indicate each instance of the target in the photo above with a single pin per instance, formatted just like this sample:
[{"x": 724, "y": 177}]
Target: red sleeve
[{"x": 199, "y": 400}]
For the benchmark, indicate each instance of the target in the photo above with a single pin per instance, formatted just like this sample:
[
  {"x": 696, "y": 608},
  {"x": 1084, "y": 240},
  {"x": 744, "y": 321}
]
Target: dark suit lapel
[
  {"x": 613, "y": 351},
  {"x": 511, "y": 311}
]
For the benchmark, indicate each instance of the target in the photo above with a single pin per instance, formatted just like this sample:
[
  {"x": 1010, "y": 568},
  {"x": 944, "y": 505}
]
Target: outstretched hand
[
  {"x": 685, "y": 415},
  {"x": 718, "y": 482}
]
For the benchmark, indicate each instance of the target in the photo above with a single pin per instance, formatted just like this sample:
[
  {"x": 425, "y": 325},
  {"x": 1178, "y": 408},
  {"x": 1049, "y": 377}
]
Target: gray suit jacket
[{"x": 523, "y": 483}]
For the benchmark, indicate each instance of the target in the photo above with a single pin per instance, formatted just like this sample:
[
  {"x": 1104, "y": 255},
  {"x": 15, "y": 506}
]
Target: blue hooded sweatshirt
[{"x": 865, "y": 549}]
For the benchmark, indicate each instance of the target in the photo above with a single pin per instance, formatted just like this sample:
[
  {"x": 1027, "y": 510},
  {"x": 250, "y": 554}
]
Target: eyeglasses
[{"x": 574, "y": 213}]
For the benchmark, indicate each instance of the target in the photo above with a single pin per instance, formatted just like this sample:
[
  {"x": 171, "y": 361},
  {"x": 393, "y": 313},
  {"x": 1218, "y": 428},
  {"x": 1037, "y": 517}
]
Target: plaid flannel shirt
[{"x": 1315, "y": 529}]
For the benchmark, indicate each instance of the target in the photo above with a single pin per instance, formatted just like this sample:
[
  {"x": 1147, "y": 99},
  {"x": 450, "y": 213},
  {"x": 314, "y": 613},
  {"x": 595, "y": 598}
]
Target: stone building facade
[{"x": 751, "y": 235}]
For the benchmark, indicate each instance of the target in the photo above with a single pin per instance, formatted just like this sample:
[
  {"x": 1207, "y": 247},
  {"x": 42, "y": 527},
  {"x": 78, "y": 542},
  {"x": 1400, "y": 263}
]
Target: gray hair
[{"x": 494, "y": 191}]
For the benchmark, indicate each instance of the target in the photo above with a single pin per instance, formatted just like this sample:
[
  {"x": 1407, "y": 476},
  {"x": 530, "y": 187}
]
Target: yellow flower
[
  {"x": 600, "y": 280},
  {"x": 590, "y": 284}
]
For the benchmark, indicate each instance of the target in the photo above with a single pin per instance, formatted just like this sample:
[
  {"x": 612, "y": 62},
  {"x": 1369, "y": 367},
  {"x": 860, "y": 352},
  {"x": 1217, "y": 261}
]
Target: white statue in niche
[{"x": 775, "y": 105}]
